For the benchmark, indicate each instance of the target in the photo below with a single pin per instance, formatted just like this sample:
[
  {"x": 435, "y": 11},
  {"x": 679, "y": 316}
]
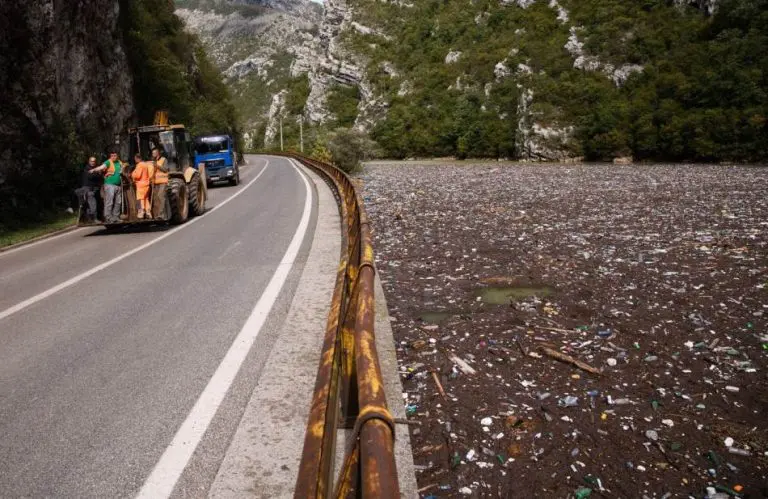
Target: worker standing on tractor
[
  {"x": 113, "y": 190},
  {"x": 159, "y": 179},
  {"x": 140, "y": 176},
  {"x": 90, "y": 187}
]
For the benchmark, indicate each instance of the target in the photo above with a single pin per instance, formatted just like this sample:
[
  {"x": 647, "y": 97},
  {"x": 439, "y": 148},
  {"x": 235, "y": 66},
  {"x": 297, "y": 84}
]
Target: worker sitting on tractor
[
  {"x": 113, "y": 190},
  {"x": 141, "y": 176},
  {"x": 159, "y": 180}
]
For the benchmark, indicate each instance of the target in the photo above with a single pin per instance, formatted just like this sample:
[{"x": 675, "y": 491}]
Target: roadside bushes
[{"x": 346, "y": 148}]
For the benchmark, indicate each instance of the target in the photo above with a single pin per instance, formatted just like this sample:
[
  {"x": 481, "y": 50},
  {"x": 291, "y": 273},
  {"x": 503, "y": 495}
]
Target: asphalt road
[{"x": 97, "y": 378}]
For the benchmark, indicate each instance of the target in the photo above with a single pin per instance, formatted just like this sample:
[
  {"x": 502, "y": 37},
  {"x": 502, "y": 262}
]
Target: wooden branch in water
[
  {"x": 439, "y": 385},
  {"x": 569, "y": 360}
]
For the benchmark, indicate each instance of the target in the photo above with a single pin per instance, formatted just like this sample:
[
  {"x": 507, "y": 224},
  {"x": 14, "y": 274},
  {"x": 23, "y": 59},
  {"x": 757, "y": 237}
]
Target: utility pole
[
  {"x": 301, "y": 134},
  {"x": 281, "y": 133}
]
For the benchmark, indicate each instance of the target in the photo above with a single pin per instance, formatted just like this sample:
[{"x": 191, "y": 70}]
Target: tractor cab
[{"x": 174, "y": 140}]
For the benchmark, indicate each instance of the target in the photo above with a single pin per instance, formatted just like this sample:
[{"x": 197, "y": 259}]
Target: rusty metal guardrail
[{"x": 349, "y": 391}]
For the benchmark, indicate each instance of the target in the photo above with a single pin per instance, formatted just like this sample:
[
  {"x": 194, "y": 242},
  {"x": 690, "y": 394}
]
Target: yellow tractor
[{"x": 185, "y": 193}]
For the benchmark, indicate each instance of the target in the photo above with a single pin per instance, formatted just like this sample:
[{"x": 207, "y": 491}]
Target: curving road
[{"x": 126, "y": 360}]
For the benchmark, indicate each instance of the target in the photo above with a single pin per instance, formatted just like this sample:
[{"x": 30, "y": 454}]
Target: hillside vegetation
[
  {"x": 171, "y": 70},
  {"x": 666, "y": 80},
  {"x": 700, "y": 94}
]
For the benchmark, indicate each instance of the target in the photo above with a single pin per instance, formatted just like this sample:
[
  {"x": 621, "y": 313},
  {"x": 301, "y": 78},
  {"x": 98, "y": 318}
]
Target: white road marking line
[
  {"x": 45, "y": 294},
  {"x": 36, "y": 243},
  {"x": 170, "y": 467}
]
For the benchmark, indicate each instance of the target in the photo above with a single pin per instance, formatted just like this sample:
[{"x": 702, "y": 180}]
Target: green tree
[
  {"x": 342, "y": 101},
  {"x": 171, "y": 71},
  {"x": 348, "y": 148}
]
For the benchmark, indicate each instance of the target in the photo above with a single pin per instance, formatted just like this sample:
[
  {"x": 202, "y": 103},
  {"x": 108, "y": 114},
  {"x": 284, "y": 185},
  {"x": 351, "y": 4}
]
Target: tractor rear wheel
[
  {"x": 177, "y": 192},
  {"x": 196, "y": 191}
]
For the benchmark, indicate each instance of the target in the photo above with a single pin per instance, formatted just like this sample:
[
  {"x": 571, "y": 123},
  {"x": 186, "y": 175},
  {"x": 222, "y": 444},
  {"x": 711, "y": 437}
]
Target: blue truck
[{"x": 217, "y": 153}]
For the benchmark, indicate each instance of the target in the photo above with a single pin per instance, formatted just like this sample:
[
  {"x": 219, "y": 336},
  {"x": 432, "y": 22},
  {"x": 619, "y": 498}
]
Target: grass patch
[{"x": 52, "y": 224}]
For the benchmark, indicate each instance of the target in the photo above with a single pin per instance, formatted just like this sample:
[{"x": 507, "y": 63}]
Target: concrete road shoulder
[{"x": 263, "y": 457}]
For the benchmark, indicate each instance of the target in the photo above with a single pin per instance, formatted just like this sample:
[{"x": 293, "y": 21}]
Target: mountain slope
[
  {"x": 594, "y": 78},
  {"x": 264, "y": 51},
  {"x": 530, "y": 79}
]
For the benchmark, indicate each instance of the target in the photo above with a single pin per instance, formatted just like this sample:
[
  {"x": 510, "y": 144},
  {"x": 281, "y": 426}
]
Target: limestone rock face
[
  {"x": 341, "y": 66},
  {"x": 452, "y": 57},
  {"x": 259, "y": 52},
  {"x": 63, "y": 69},
  {"x": 537, "y": 142},
  {"x": 294, "y": 39},
  {"x": 709, "y": 6},
  {"x": 278, "y": 101}
]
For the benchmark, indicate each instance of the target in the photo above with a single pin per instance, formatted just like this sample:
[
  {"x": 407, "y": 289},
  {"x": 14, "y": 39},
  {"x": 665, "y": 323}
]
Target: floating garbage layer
[{"x": 577, "y": 330}]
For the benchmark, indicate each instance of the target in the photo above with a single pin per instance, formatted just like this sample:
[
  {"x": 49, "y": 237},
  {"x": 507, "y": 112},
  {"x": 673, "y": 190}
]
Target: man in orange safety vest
[
  {"x": 159, "y": 179},
  {"x": 141, "y": 176}
]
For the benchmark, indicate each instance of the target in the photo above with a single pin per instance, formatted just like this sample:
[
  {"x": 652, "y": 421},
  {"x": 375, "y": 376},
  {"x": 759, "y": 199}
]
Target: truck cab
[{"x": 217, "y": 154}]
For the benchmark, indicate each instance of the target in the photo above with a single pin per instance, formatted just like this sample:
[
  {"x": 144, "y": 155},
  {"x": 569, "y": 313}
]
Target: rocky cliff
[
  {"x": 262, "y": 48},
  {"x": 262, "y": 52},
  {"x": 75, "y": 74},
  {"x": 64, "y": 77},
  {"x": 528, "y": 79}
]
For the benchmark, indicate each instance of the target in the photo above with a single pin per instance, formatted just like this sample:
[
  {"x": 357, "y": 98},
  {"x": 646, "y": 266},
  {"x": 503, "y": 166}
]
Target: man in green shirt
[{"x": 113, "y": 190}]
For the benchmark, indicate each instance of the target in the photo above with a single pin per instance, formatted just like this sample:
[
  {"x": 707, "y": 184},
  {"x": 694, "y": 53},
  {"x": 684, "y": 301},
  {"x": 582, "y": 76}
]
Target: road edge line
[{"x": 171, "y": 465}]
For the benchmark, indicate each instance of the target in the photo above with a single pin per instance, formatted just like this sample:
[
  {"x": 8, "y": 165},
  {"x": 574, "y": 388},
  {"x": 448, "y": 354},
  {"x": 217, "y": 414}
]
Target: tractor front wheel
[
  {"x": 196, "y": 194},
  {"x": 177, "y": 192}
]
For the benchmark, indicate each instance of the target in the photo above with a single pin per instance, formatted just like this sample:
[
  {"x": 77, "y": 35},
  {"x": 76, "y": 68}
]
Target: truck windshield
[{"x": 207, "y": 145}]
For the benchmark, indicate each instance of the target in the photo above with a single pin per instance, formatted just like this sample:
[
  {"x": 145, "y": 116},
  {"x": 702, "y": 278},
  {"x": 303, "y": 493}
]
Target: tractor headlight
[{"x": 230, "y": 172}]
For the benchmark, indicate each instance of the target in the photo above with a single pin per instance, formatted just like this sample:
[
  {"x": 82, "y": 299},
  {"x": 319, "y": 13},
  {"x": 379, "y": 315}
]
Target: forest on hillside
[
  {"x": 171, "y": 70},
  {"x": 702, "y": 94}
]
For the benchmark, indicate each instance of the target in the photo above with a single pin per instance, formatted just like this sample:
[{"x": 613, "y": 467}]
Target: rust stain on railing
[{"x": 349, "y": 390}]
